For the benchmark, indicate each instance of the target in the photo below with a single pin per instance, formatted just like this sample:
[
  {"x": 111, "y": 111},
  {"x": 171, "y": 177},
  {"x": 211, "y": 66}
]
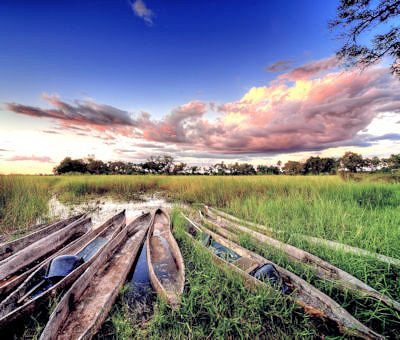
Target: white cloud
[{"x": 140, "y": 9}]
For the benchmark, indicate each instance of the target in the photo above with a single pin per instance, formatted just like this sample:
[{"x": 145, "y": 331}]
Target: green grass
[{"x": 364, "y": 214}]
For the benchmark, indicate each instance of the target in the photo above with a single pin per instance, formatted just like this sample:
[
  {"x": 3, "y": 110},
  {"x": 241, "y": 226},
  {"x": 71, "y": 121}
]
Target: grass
[{"x": 363, "y": 213}]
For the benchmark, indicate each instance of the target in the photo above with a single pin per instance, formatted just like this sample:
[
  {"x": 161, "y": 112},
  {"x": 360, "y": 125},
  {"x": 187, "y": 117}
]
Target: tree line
[{"x": 350, "y": 161}]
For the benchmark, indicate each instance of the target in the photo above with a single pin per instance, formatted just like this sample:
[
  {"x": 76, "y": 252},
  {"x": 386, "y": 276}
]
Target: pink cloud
[
  {"x": 42, "y": 159},
  {"x": 311, "y": 69}
]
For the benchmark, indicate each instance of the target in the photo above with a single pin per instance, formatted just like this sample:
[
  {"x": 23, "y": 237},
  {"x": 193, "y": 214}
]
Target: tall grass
[{"x": 23, "y": 199}]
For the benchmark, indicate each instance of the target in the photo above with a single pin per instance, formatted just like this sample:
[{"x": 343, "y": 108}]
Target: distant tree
[
  {"x": 70, "y": 165},
  {"x": 394, "y": 161},
  {"x": 355, "y": 17},
  {"x": 352, "y": 161},
  {"x": 293, "y": 168},
  {"x": 97, "y": 167},
  {"x": 262, "y": 169},
  {"x": 178, "y": 168}
]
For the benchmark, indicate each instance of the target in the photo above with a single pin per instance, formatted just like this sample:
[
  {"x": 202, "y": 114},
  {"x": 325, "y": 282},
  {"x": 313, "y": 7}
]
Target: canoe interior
[{"x": 165, "y": 261}]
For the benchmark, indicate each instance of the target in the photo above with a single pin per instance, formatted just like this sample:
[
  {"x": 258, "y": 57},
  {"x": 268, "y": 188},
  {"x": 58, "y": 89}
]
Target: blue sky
[
  {"x": 207, "y": 50},
  {"x": 186, "y": 77}
]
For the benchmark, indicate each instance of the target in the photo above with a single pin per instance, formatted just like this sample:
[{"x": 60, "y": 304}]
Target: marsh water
[{"x": 104, "y": 207}]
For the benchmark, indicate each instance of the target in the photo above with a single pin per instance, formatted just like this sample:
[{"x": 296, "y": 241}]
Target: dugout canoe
[
  {"x": 85, "y": 306},
  {"x": 315, "y": 303},
  {"x": 331, "y": 244},
  {"x": 36, "y": 290},
  {"x": 41, "y": 249},
  {"x": 10, "y": 248},
  {"x": 322, "y": 269},
  {"x": 164, "y": 260},
  {"x": 21, "y": 232},
  {"x": 14, "y": 281}
]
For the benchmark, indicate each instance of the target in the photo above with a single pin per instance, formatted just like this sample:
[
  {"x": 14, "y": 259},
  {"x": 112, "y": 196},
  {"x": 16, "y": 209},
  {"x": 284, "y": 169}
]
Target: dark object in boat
[
  {"x": 85, "y": 306},
  {"x": 268, "y": 273},
  {"x": 61, "y": 266},
  {"x": 164, "y": 260}
]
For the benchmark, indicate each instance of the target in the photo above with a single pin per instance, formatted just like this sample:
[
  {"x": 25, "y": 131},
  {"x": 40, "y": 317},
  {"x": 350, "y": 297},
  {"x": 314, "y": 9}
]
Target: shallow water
[
  {"x": 104, "y": 207},
  {"x": 141, "y": 288}
]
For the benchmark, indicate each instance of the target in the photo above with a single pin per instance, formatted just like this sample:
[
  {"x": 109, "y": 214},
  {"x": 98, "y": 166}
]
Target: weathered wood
[
  {"x": 85, "y": 306},
  {"x": 331, "y": 244},
  {"x": 41, "y": 249},
  {"x": 164, "y": 260},
  {"x": 10, "y": 311},
  {"x": 10, "y": 284},
  {"x": 314, "y": 302},
  {"x": 21, "y": 232},
  {"x": 322, "y": 269},
  {"x": 10, "y": 248}
]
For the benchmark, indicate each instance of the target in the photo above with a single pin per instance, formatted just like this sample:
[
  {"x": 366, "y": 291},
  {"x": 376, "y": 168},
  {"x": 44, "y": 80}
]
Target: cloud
[
  {"x": 51, "y": 132},
  {"x": 140, "y": 10},
  {"x": 308, "y": 114},
  {"x": 83, "y": 116},
  {"x": 42, "y": 159},
  {"x": 280, "y": 65},
  {"x": 311, "y": 69}
]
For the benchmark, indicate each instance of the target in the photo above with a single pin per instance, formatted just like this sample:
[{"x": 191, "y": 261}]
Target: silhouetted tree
[
  {"x": 70, "y": 165},
  {"x": 356, "y": 17}
]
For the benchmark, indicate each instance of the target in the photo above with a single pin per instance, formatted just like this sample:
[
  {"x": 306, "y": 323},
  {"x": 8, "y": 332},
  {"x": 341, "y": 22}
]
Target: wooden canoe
[
  {"x": 164, "y": 260},
  {"x": 331, "y": 244},
  {"x": 41, "y": 249},
  {"x": 22, "y": 301},
  {"x": 21, "y": 232},
  {"x": 10, "y": 248},
  {"x": 85, "y": 306},
  {"x": 314, "y": 302},
  {"x": 322, "y": 269},
  {"x": 10, "y": 284}
]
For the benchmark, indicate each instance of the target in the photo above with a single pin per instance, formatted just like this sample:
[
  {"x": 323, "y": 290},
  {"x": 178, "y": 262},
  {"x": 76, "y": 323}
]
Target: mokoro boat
[
  {"x": 315, "y": 303},
  {"x": 322, "y": 269},
  {"x": 47, "y": 281},
  {"x": 164, "y": 260},
  {"x": 331, "y": 244},
  {"x": 9, "y": 284},
  {"x": 85, "y": 306},
  {"x": 10, "y": 248},
  {"x": 21, "y": 232},
  {"x": 41, "y": 249}
]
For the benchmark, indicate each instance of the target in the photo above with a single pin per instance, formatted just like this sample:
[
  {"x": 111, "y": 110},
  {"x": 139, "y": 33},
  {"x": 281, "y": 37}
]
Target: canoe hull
[{"x": 164, "y": 260}]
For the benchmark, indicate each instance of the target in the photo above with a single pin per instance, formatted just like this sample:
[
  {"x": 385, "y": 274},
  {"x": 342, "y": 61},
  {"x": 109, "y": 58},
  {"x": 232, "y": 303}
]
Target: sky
[{"x": 202, "y": 81}]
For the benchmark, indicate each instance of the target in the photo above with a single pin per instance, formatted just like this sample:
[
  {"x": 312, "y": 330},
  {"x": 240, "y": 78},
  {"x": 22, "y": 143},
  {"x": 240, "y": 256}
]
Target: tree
[
  {"x": 293, "y": 167},
  {"x": 70, "y": 165},
  {"x": 356, "y": 17},
  {"x": 352, "y": 161}
]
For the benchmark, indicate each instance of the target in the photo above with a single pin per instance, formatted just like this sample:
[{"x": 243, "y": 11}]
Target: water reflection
[{"x": 141, "y": 292}]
